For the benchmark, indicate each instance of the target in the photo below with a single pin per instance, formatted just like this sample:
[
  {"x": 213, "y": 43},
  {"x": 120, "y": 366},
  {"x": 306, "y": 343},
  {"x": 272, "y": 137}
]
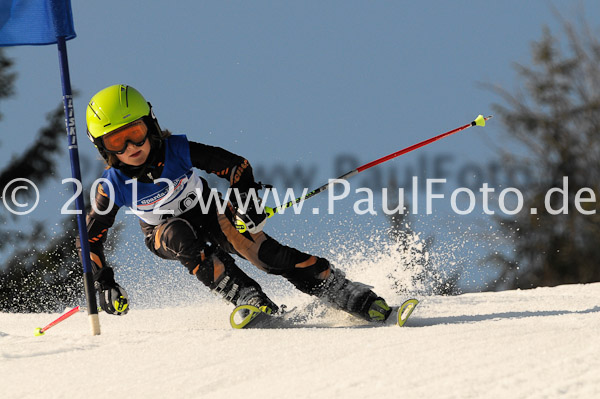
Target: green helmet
[{"x": 114, "y": 107}]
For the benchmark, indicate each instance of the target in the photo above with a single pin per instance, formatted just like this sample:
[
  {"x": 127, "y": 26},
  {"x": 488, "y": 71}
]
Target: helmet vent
[{"x": 92, "y": 109}]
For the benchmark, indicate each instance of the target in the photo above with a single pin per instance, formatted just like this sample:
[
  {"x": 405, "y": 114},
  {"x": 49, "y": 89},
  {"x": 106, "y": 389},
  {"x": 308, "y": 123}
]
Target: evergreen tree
[{"x": 556, "y": 116}]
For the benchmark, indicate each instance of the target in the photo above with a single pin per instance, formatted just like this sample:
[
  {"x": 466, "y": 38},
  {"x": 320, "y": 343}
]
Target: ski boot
[
  {"x": 253, "y": 306},
  {"x": 255, "y": 297},
  {"x": 354, "y": 297}
]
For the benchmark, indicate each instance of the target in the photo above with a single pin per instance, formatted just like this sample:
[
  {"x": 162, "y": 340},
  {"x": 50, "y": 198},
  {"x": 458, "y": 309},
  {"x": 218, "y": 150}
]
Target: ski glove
[
  {"x": 253, "y": 218},
  {"x": 113, "y": 297}
]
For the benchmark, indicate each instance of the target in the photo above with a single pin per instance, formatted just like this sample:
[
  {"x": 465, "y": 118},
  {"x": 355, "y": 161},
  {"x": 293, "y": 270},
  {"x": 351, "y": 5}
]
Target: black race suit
[{"x": 203, "y": 241}]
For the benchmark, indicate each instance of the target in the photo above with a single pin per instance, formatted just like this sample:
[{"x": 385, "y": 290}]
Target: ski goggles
[{"x": 116, "y": 141}]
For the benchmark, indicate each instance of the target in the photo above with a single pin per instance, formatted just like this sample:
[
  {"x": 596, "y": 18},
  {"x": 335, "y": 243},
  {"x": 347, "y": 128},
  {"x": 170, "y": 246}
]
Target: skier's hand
[
  {"x": 253, "y": 218},
  {"x": 113, "y": 297},
  {"x": 114, "y": 300}
]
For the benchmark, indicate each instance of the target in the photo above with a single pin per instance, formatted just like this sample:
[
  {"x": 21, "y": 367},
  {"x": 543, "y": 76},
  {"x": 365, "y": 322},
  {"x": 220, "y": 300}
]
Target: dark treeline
[{"x": 555, "y": 115}]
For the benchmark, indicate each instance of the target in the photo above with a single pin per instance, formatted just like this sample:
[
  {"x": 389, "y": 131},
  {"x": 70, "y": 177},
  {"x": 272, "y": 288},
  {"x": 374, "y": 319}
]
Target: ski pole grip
[{"x": 269, "y": 211}]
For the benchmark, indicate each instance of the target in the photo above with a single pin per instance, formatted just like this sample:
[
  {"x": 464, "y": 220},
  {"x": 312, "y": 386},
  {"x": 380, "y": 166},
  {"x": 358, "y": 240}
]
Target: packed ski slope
[{"x": 540, "y": 343}]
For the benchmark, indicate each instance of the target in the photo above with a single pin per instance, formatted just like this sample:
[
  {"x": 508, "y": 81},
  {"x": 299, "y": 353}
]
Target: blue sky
[{"x": 296, "y": 83}]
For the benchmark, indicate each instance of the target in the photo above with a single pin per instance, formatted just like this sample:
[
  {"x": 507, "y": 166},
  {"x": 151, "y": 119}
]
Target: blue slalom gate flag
[{"x": 35, "y": 22}]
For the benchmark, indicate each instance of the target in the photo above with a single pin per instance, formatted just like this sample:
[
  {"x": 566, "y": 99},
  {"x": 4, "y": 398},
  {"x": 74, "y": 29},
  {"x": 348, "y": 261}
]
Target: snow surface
[{"x": 540, "y": 343}]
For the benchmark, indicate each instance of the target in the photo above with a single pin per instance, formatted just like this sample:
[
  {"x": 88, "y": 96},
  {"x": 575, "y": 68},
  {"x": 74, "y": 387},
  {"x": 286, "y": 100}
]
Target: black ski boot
[
  {"x": 354, "y": 297},
  {"x": 255, "y": 297}
]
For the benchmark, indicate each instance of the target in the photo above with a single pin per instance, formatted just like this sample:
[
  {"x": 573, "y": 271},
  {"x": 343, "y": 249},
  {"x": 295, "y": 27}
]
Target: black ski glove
[
  {"x": 113, "y": 298},
  {"x": 246, "y": 211}
]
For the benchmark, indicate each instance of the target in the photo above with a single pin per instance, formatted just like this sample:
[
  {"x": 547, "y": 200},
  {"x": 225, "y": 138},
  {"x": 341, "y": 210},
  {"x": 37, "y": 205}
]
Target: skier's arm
[
  {"x": 98, "y": 224},
  {"x": 239, "y": 173},
  {"x": 113, "y": 298},
  {"x": 225, "y": 164}
]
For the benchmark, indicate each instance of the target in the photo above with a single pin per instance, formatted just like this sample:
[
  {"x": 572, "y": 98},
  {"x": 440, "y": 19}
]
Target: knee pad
[
  {"x": 309, "y": 279},
  {"x": 177, "y": 239},
  {"x": 280, "y": 259},
  {"x": 174, "y": 233}
]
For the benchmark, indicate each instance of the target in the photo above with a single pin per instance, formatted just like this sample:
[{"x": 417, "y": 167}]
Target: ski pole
[
  {"x": 479, "y": 121},
  {"x": 41, "y": 330}
]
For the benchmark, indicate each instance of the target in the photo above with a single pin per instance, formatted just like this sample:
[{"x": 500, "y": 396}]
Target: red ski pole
[
  {"x": 479, "y": 121},
  {"x": 41, "y": 330}
]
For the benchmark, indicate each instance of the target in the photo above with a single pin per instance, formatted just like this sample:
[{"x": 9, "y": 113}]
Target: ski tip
[
  {"x": 406, "y": 310},
  {"x": 242, "y": 315}
]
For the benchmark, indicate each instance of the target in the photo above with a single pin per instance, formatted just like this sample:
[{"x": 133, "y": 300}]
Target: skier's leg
[
  {"x": 316, "y": 276},
  {"x": 310, "y": 274},
  {"x": 177, "y": 239}
]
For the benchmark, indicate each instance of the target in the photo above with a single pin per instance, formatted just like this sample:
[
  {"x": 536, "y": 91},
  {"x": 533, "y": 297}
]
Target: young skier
[{"x": 152, "y": 172}]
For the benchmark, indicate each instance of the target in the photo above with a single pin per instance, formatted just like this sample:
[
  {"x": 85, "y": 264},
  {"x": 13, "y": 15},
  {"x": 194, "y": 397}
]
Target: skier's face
[{"x": 134, "y": 155}]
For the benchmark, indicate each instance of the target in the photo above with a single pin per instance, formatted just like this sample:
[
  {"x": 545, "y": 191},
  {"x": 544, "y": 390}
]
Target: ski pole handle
[{"x": 241, "y": 226}]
